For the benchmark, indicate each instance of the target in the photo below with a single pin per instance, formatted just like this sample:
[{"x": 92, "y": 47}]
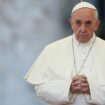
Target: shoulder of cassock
[
  {"x": 100, "y": 58},
  {"x": 38, "y": 72}
]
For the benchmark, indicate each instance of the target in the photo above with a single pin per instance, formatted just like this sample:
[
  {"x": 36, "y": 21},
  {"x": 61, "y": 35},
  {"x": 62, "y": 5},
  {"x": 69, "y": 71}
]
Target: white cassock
[{"x": 52, "y": 72}]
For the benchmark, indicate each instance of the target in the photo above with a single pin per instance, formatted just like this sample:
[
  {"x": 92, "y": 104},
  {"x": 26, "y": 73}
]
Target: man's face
[{"x": 84, "y": 23}]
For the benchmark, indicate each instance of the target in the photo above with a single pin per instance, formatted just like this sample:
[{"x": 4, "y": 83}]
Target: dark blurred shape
[{"x": 101, "y": 9}]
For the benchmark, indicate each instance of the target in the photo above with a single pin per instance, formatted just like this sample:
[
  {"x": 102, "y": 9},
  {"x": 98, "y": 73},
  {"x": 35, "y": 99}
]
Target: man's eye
[
  {"x": 78, "y": 22},
  {"x": 88, "y": 23}
]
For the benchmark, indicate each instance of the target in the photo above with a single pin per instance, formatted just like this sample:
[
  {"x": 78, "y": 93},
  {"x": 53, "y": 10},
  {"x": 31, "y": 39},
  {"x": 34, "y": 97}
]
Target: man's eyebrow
[{"x": 77, "y": 20}]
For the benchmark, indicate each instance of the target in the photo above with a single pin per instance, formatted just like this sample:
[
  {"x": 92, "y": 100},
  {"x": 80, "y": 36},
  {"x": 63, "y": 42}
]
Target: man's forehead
[
  {"x": 82, "y": 19},
  {"x": 83, "y": 5},
  {"x": 84, "y": 14}
]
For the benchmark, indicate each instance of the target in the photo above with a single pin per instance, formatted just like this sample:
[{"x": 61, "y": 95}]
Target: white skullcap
[{"x": 83, "y": 5}]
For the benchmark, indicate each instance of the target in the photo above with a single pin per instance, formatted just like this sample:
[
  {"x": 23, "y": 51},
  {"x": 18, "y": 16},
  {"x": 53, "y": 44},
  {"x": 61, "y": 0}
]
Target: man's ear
[
  {"x": 70, "y": 22},
  {"x": 97, "y": 25}
]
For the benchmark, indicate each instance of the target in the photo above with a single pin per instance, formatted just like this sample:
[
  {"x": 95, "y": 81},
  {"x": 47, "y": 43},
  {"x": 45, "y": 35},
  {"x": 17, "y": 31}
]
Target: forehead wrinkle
[
  {"x": 86, "y": 20},
  {"x": 85, "y": 12}
]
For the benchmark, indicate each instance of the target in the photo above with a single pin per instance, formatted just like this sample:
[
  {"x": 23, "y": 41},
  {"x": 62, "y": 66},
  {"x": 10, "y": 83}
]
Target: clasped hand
[{"x": 80, "y": 85}]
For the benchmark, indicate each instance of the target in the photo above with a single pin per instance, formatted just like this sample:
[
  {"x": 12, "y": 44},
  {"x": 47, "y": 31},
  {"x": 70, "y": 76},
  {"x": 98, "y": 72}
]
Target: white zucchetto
[{"x": 83, "y": 5}]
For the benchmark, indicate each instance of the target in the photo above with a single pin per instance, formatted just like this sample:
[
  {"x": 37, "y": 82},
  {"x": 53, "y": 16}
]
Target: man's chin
[{"x": 83, "y": 40}]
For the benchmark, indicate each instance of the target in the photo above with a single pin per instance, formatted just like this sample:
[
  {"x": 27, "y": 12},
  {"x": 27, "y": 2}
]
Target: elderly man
[{"x": 71, "y": 71}]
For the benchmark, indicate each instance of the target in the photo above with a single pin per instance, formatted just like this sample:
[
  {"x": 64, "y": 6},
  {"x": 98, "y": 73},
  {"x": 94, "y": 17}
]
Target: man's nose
[{"x": 83, "y": 28}]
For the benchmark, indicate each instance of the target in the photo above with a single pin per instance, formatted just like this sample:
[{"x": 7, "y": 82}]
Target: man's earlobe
[
  {"x": 70, "y": 21},
  {"x": 97, "y": 24}
]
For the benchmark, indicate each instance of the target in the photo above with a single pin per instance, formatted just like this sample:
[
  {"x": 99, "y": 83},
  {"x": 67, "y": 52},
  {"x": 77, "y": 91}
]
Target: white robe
[{"x": 52, "y": 73}]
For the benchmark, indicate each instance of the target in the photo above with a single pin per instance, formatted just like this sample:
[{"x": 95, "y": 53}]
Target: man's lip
[{"x": 83, "y": 35}]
